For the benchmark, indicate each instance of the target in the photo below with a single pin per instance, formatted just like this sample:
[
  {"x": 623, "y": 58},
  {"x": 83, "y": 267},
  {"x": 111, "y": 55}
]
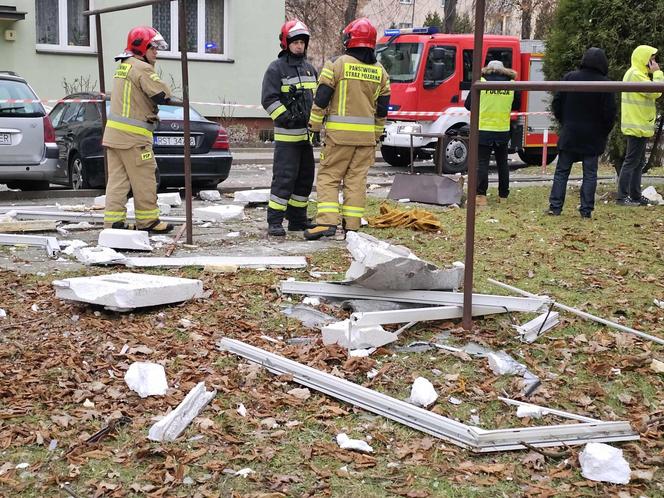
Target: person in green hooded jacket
[{"x": 638, "y": 124}]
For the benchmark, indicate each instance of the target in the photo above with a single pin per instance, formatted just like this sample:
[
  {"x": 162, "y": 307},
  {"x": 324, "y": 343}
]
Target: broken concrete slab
[
  {"x": 127, "y": 291},
  {"x": 258, "y": 196},
  {"x": 171, "y": 198},
  {"x": 115, "y": 238},
  {"x": 360, "y": 337},
  {"x": 173, "y": 424},
  {"x": 226, "y": 212},
  {"x": 146, "y": 379},
  {"x": 203, "y": 261},
  {"x": 98, "y": 256},
  {"x": 604, "y": 463},
  {"x": 383, "y": 266},
  {"x": 530, "y": 331},
  {"x": 27, "y": 226},
  {"x": 209, "y": 195},
  {"x": 51, "y": 244},
  {"x": 443, "y": 190}
]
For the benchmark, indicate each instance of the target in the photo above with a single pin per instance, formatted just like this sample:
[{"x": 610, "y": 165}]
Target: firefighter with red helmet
[
  {"x": 287, "y": 96},
  {"x": 351, "y": 103},
  {"x": 137, "y": 90}
]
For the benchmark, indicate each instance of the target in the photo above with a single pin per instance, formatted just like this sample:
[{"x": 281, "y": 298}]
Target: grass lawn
[{"x": 62, "y": 367}]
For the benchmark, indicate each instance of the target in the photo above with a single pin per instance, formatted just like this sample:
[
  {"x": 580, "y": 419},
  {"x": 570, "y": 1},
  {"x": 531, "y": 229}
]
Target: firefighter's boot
[
  {"x": 158, "y": 227},
  {"x": 319, "y": 231}
]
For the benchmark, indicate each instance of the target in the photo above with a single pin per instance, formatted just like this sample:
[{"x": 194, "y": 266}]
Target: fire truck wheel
[
  {"x": 396, "y": 156},
  {"x": 533, "y": 156},
  {"x": 456, "y": 157}
]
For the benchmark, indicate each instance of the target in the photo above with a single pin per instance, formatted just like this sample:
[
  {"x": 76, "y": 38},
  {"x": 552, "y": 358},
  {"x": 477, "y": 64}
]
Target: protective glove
[{"x": 314, "y": 138}]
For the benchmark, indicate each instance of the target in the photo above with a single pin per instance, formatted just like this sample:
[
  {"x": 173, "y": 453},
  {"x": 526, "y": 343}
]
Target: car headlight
[{"x": 409, "y": 128}]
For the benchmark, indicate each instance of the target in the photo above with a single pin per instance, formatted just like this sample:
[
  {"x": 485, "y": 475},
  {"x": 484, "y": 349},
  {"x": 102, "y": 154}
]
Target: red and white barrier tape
[{"x": 421, "y": 114}]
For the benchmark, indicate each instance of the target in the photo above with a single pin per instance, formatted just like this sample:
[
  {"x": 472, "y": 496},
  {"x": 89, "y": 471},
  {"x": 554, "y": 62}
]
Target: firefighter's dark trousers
[
  {"x": 134, "y": 169},
  {"x": 292, "y": 179},
  {"x": 347, "y": 165}
]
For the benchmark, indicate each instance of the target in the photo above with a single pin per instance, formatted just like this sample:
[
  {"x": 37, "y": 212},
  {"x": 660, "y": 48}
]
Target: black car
[{"x": 78, "y": 132}]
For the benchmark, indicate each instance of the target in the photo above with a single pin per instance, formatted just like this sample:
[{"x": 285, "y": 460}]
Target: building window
[
  {"x": 61, "y": 25},
  {"x": 405, "y": 25},
  {"x": 206, "y": 27},
  {"x": 406, "y": 2}
]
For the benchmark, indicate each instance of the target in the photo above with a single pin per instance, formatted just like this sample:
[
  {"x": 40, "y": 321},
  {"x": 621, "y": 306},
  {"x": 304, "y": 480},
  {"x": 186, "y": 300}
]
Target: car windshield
[
  {"x": 11, "y": 90},
  {"x": 171, "y": 112},
  {"x": 400, "y": 60}
]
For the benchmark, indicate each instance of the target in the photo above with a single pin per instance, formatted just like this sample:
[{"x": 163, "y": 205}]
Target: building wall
[{"x": 237, "y": 80}]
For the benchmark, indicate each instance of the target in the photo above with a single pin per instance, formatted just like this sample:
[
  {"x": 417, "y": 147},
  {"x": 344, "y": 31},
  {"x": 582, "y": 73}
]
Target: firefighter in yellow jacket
[
  {"x": 136, "y": 92},
  {"x": 351, "y": 102}
]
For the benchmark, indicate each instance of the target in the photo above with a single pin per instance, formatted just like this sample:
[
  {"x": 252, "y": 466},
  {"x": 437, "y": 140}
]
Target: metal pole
[
  {"x": 102, "y": 86},
  {"x": 182, "y": 19},
  {"x": 412, "y": 19},
  {"x": 473, "y": 154}
]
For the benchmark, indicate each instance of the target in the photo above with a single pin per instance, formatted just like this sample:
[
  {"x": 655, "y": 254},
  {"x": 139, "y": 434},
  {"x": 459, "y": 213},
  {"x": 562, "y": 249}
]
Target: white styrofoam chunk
[
  {"x": 219, "y": 213},
  {"x": 164, "y": 208},
  {"x": 146, "y": 379},
  {"x": 3, "y": 313},
  {"x": 100, "y": 201},
  {"x": 601, "y": 462},
  {"x": 209, "y": 195},
  {"x": 126, "y": 291},
  {"x": 530, "y": 411},
  {"x": 83, "y": 225},
  {"x": 116, "y": 238},
  {"x": 258, "y": 196},
  {"x": 173, "y": 424},
  {"x": 360, "y": 338},
  {"x": 652, "y": 195},
  {"x": 422, "y": 393},
  {"x": 346, "y": 443},
  {"x": 98, "y": 255},
  {"x": 72, "y": 245},
  {"x": 170, "y": 198}
]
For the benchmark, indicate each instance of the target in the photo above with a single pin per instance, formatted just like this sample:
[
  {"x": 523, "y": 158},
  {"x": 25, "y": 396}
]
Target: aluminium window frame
[
  {"x": 63, "y": 47},
  {"x": 200, "y": 54},
  {"x": 466, "y": 436}
]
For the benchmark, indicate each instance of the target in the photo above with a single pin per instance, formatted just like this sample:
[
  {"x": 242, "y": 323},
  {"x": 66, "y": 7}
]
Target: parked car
[
  {"x": 28, "y": 152},
  {"x": 78, "y": 133}
]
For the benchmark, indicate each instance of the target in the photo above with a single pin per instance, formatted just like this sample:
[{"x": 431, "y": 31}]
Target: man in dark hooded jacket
[
  {"x": 287, "y": 96},
  {"x": 496, "y": 107},
  {"x": 586, "y": 118}
]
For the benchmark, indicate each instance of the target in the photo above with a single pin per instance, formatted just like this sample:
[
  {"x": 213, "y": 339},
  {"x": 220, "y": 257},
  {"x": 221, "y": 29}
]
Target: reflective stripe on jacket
[
  {"x": 350, "y": 117},
  {"x": 638, "y": 111},
  {"x": 495, "y": 109}
]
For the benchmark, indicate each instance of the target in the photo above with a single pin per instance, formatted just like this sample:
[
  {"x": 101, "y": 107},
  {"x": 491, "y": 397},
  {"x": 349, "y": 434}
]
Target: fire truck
[{"x": 430, "y": 77}]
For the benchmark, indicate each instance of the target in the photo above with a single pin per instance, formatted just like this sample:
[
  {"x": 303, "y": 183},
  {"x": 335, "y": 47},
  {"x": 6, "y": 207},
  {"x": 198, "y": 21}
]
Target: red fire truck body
[{"x": 430, "y": 77}]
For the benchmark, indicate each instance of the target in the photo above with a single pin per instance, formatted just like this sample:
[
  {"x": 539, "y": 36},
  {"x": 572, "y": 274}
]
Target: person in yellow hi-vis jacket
[
  {"x": 136, "y": 92},
  {"x": 351, "y": 102},
  {"x": 637, "y": 122}
]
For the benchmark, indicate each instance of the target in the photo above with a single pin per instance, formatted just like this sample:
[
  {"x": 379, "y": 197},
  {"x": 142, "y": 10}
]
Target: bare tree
[
  {"x": 527, "y": 10},
  {"x": 351, "y": 11},
  {"x": 450, "y": 14}
]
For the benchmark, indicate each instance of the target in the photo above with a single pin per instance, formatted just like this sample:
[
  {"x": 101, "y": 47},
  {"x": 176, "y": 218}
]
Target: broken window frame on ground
[
  {"x": 466, "y": 436},
  {"x": 51, "y": 244}
]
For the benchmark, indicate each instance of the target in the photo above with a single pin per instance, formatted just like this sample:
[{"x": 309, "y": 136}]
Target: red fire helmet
[
  {"x": 140, "y": 38},
  {"x": 290, "y": 30},
  {"x": 360, "y": 33}
]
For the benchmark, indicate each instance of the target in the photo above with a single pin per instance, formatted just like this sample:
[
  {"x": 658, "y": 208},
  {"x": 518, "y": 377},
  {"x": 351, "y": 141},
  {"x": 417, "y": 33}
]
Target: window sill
[
  {"x": 45, "y": 49},
  {"x": 196, "y": 57}
]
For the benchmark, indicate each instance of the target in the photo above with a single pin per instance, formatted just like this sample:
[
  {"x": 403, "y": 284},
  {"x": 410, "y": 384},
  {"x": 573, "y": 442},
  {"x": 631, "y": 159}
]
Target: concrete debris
[
  {"x": 241, "y": 410},
  {"x": 258, "y": 196},
  {"x": 226, "y": 212},
  {"x": 71, "y": 227},
  {"x": 658, "y": 303},
  {"x": 422, "y": 393},
  {"x": 239, "y": 261},
  {"x": 244, "y": 472},
  {"x": 71, "y": 246},
  {"x": 100, "y": 201},
  {"x": 312, "y": 301},
  {"x": 360, "y": 337},
  {"x": 51, "y": 244},
  {"x": 126, "y": 291},
  {"x": 173, "y": 424},
  {"x": 430, "y": 189},
  {"x": 657, "y": 366},
  {"x": 12, "y": 226},
  {"x": 98, "y": 256},
  {"x": 652, "y": 195},
  {"x": 604, "y": 463},
  {"x": 310, "y": 317},
  {"x": 162, "y": 239},
  {"x": 454, "y": 401},
  {"x": 115, "y": 238},
  {"x": 530, "y": 411},
  {"x": 530, "y": 331},
  {"x": 346, "y": 443},
  {"x": 3, "y": 313},
  {"x": 171, "y": 198},
  {"x": 209, "y": 195},
  {"x": 146, "y": 379},
  {"x": 220, "y": 268},
  {"x": 300, "y": 393},
  {"x": 382, "y": 266}
]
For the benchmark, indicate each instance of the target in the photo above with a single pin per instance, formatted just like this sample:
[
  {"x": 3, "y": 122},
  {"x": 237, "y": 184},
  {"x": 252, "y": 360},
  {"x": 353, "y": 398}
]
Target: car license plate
[
  {"x": 5, "y": 139},
  {"x": 173, "y": 141}
]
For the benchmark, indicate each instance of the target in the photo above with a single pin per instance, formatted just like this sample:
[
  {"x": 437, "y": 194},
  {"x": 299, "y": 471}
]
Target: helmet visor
[{"x": 158, "y": 42}]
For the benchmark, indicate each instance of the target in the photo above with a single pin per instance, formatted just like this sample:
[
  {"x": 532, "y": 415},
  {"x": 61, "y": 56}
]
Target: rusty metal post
[
  {"x": 102, "y": 86},
  {"x": 473, "y": 154},
  {"x": 182, "y": 20}
]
